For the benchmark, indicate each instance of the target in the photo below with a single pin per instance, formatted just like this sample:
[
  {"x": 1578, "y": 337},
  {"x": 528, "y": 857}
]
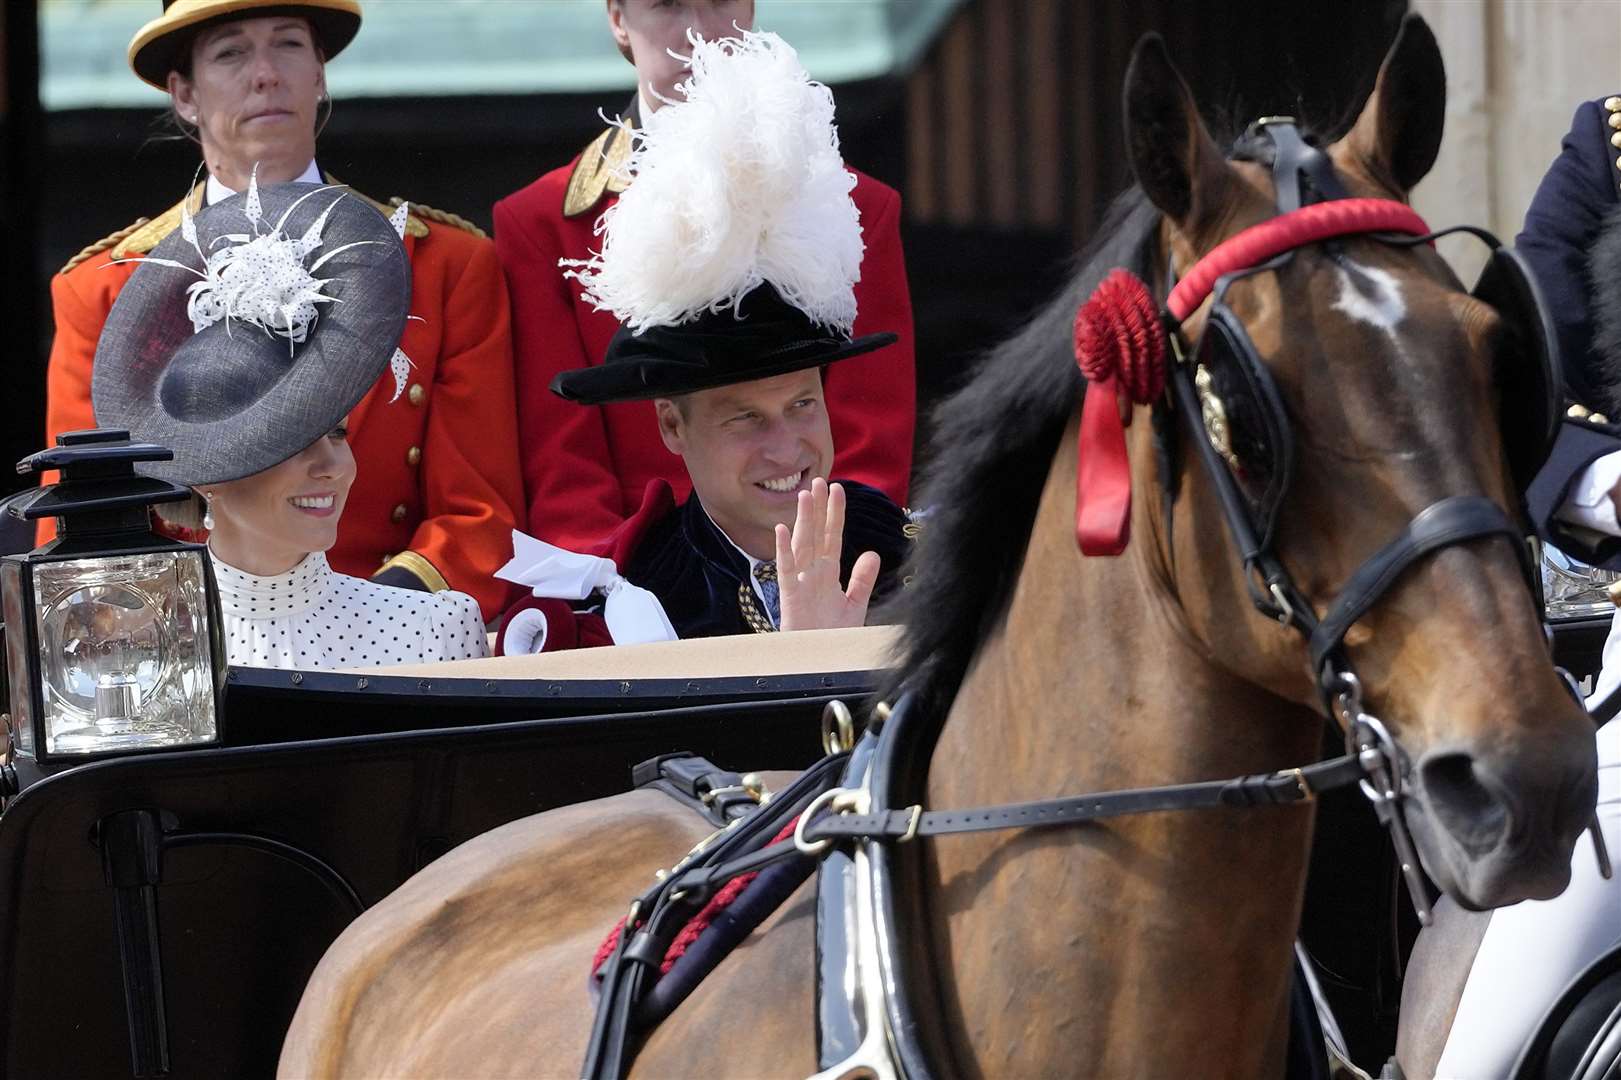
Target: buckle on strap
[
  {"x": 837, "y": 801},
  {"x": 1380, "y": 760}
]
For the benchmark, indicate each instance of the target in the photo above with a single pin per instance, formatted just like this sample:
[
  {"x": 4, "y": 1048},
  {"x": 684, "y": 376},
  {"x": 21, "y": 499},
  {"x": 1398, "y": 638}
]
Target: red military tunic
[
  {"x": 585, "y": 468},
  {"x": 438, "y": 487}
]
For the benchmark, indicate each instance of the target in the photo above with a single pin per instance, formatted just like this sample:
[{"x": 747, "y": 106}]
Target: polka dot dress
[{"x": 316, "y": 619}]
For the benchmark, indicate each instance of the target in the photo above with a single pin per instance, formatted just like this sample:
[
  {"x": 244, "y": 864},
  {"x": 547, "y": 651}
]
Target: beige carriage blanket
[{"x": 803, "y": 652}]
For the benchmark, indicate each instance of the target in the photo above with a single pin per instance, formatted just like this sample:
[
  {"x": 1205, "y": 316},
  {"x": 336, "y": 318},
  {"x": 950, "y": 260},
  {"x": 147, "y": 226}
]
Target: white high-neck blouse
[{"x": 315, "y": 618}]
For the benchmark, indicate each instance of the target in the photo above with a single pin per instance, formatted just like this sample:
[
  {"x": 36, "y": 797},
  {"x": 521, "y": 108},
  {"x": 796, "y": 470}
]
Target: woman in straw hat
[
  {"x": 242, "y": 342},
  {"x": 246, "y": 80}
]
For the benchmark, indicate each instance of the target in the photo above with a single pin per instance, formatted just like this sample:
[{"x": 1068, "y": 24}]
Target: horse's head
[{"x": 1393, "y": 386}]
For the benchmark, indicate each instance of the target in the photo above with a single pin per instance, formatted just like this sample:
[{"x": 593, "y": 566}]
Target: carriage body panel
[{"x": 374, "y": 774}]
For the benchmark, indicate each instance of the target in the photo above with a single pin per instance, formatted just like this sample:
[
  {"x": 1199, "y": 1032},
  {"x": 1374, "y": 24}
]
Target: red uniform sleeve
[
  {"x": 568, "y": 467},
  {"x": 80, "y": 314},
  {"x": 471, "y": 489},
  {"x": 872, "y": 399}
]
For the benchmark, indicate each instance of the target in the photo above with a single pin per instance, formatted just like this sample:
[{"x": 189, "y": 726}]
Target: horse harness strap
[
  {"x": 629, "y": 973},
  {"x": 1441, "y": 524},
  {"x": 1262, "y": 789}
]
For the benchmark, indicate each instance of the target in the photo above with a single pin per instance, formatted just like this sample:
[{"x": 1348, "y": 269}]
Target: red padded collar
[{"x": 1297, "y": 228}]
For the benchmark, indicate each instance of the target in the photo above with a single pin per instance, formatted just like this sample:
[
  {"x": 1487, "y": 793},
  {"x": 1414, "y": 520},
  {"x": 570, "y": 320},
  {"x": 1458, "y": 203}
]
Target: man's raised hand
[{"x": 808, "y": 565}]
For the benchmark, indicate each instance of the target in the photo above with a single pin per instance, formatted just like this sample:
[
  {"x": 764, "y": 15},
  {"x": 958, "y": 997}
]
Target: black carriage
[{"x": 162, "y": 912}]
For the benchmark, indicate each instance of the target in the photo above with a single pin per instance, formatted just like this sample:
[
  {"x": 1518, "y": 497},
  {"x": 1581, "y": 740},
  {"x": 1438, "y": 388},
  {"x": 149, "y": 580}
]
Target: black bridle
[{"x": 1302, "y": 175}]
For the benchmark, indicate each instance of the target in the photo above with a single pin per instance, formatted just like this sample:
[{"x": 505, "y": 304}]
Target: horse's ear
[
  {"x": 1398, "y": 133},
  {"x": 1173, "y": 156}
]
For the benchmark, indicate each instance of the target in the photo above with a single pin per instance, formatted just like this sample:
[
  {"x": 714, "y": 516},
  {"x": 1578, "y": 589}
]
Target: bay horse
[{"x": 1150, "y": 946}]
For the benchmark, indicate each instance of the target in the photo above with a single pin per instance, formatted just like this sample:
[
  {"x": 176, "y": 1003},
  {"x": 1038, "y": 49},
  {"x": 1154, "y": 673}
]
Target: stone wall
[{"x": 1516, "y": 70}]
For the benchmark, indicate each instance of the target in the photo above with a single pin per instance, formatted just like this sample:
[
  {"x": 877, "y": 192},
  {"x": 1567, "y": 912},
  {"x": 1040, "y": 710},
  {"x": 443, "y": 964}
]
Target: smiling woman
[{"x": 255, "y": 415}]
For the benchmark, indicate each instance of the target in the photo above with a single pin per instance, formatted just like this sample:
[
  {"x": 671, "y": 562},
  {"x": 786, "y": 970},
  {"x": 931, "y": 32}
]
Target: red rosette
[{"x": 1119, "y": 346}]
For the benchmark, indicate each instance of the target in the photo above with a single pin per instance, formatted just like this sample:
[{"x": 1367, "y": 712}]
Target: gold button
[
  {"x": 1615, "y": 120},
  {"x": 416, "y": 394},
  {"x": 1613, "y": 104},
  {"x": 413, "y": 456},
  {"x": 1615, "y": 140},
  {"x": 1578, "y": 412},
  {"x": 1598, "y": 418},
  {"x": 399, "y": 513}
]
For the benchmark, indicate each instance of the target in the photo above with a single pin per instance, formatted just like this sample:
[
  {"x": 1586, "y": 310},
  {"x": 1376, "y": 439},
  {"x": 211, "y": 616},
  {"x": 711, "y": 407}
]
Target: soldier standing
[{"x": 586, "y": 469}]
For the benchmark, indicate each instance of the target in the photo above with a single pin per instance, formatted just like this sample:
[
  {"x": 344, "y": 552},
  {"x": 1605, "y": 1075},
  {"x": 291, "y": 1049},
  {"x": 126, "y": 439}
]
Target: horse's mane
[{"x": 993, "y": 446}]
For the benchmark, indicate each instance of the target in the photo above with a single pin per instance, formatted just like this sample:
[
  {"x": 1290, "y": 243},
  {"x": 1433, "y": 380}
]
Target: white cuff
[
  {"x": 1589, "y": 504},
  {"x": 525, "y": 633}
]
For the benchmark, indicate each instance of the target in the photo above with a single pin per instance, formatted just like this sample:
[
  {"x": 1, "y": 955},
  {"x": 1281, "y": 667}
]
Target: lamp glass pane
[
  {"x": 124, "y": 652},
  {"x": 11, "y": 613},
  {"x": 1572, "y": 589}
]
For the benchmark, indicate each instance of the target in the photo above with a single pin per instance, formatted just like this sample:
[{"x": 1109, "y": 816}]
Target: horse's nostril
[{"x": 1471, "y": 810}]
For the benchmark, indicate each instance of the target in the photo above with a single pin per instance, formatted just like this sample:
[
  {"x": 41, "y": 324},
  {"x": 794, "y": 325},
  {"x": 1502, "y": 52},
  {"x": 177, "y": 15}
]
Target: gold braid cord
[
  {"x": 420, "y": 568},
  {"x": 758, "y": 621},
  {"x": 443, "y": 217},
  {"x": 101, "y": 245}
]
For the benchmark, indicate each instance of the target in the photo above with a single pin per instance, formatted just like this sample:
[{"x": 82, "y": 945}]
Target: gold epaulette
[
  {"x": 443, "y": 217},
  {"x": 598, "y": 171},
  {"x": 141, "y": 240},
  {"x": 101, "y": 245},
  {"x": 413, "y": 226}
]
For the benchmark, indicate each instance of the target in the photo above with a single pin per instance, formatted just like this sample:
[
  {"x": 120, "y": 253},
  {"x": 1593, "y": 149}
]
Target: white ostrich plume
[
  {"x": 738, "y": 183},
  {"x": 259, "y": 277}
]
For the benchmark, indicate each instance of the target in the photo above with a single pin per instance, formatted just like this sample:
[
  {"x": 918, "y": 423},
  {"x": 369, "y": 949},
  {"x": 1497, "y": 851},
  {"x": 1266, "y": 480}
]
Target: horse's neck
[{"x": 1145, "y": 946}]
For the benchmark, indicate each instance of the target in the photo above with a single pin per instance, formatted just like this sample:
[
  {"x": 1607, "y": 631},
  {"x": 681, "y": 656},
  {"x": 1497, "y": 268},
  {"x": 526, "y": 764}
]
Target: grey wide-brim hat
[{"x": 233, "y": 399}]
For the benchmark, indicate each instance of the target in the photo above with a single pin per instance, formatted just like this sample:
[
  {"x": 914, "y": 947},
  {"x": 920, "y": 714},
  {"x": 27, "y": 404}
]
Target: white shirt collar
[{"x": 217, "y": 191}]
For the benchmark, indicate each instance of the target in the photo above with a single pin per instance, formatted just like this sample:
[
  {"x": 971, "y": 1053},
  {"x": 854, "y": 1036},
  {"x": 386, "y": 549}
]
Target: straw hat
[{"x": 155, "y": 49}]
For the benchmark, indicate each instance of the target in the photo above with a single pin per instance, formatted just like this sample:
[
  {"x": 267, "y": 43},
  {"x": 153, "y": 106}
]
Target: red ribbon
[{"x": 1120, "y": 348}]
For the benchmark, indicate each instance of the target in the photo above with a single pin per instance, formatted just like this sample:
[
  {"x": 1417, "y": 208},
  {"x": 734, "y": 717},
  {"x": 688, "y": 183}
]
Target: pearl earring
[{"x": 208, "y": 511}]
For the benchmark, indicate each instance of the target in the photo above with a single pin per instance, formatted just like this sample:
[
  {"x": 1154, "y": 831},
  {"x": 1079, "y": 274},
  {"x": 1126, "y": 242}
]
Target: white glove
[{"x": 633, "y": 614}]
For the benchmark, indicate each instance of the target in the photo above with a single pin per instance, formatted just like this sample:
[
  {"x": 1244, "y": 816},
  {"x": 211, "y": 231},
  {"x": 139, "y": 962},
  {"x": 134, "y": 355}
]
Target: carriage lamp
[{"x": 113, "y": 640}]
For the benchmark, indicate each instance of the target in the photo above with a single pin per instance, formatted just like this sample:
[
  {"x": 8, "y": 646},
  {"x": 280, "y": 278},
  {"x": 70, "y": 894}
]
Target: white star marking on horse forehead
[{"x": 1370, "y": 295}]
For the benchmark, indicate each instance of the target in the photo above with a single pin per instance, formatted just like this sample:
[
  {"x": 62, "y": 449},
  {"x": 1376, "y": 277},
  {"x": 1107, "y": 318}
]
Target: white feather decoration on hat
[
  {"x": 739, "y": 183},
  {"x": 259, "y": 277}
]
